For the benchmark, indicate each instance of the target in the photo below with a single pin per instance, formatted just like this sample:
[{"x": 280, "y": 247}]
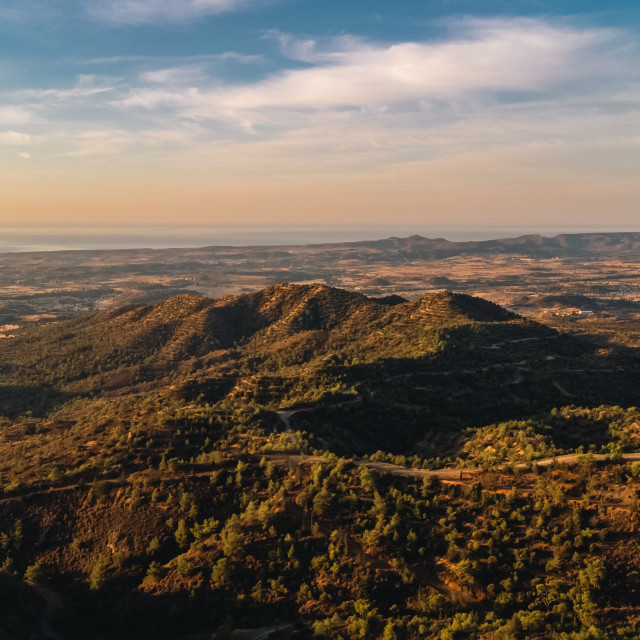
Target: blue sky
[{"x": 292, "y": 110}]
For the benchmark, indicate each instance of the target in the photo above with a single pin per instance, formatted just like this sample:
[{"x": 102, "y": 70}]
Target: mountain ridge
[
  {"x": 301, "y": 345},
  {"x": 194, "y": 325},
  {"x": 564, "y": 244}
]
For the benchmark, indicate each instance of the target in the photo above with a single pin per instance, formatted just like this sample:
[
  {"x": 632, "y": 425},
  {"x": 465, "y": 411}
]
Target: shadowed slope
[{"x": 186, "y": 326}]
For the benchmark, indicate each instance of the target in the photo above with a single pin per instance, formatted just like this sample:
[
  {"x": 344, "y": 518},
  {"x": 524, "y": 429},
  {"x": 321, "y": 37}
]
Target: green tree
[
  {"x": 182, "y": 535},
  {"x": 99, "y": 572}
]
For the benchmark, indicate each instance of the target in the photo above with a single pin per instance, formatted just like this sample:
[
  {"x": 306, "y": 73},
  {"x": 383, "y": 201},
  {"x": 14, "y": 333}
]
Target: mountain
[
  {"x": 154, "y": 261},
  {"x": 302, "y": 323},
  {"x": 189, "y": 325},
  {"x": 532, "y": 245},
  {"x": 359, "y": 373}
]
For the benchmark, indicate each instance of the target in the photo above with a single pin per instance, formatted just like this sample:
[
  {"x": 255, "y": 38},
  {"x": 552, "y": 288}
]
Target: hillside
[
  {"x": 274, "y": 323},
  {"x": 171, "y": 471},
  {"x": 355, "y": 374}
]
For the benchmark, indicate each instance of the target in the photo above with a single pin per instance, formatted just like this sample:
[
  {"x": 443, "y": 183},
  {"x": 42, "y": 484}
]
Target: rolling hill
[{"x": 369, "y": 373}]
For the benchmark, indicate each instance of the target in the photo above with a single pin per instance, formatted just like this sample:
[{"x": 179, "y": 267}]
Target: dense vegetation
[{"x": 196, "y": 466}]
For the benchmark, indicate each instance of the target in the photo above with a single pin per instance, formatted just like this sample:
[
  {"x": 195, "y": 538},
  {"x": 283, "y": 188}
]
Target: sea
[{"x": 23, "y": 239}]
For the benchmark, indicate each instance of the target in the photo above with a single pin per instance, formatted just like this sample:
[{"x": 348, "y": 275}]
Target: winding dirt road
[
  {"x": 447, "y": 473},
  {"x": 286, "y": 414},
  {"x": 264, "y": 632},
  {"x": 444, "y": 473}
]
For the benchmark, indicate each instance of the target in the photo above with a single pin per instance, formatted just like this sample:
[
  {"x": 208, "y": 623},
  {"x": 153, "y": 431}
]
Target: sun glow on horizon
[{"x": 458, "y": 119}]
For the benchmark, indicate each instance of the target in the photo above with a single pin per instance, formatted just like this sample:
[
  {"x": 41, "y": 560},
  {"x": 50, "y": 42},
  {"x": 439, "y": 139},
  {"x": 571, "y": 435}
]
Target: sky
[{"x": 320, "y": 112}]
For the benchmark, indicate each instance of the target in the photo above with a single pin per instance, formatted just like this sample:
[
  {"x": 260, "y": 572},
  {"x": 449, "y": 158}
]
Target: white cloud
[
  {"x": 190, "y": 74},
  {"x": 485, "y": 58},
  {"x": 526, "y": 93},
  {"x": 209, "y": 59},
  {"x": 49, "y": 97},
  {"x": 154, "y": 11},
  {"x": 14, "y": 138},
  {"x": 535, "y": 139},
  {"x": 316, "y": 51}
]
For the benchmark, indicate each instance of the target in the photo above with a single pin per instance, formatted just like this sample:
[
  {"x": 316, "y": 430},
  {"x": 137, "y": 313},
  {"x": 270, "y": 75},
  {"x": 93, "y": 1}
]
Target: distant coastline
[{"x": 18, "y": 240}]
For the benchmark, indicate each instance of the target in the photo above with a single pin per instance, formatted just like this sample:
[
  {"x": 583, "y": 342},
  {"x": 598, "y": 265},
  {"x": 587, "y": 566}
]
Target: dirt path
[
  {"x": 519, "y": 379},
  {"x": 67, "y": 487},
  {"x": 52, "y": 604},
  {"x": 287, "y": 414},
  {"x": 562, "y": 390},
  {"x": 497, "y": 345},
  {"x": 263, "y": 633},
  {"x": 574, "y": 458},
  {"x": 447, "y": 473},
  {"x": 288, "y": 459}
]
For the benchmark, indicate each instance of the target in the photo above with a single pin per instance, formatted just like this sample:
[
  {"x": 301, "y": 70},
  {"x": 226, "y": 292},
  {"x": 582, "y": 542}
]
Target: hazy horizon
[{"x": 60, "y": 238}]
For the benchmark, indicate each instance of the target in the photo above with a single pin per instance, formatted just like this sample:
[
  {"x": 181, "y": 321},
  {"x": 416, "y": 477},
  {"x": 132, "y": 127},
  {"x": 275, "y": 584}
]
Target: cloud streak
[
  {"x": 485, "y": 58},
  {"x": 173, "y": 11},
  {"x": 500, "y": 95}
]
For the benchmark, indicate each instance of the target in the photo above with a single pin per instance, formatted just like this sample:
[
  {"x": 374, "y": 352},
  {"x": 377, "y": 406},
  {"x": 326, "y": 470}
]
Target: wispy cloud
[
  {"x": 520, "y": 93},
  {"x": 486, "y": 57},
  {"x": 52, "y": 97},
  {"x": 14, "y": 138},
  {"x": 157, "y": 11},
  {"x": 180, "y": 75},
  {"x": 12, "y": 115},
  {"x": 202, "y": 59}
]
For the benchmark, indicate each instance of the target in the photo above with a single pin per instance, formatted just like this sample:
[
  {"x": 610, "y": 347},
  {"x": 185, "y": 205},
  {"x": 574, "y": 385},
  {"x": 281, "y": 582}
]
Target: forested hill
[
  {"x": 283, "y": 325},
  {"x": 368, "y": 373}
]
